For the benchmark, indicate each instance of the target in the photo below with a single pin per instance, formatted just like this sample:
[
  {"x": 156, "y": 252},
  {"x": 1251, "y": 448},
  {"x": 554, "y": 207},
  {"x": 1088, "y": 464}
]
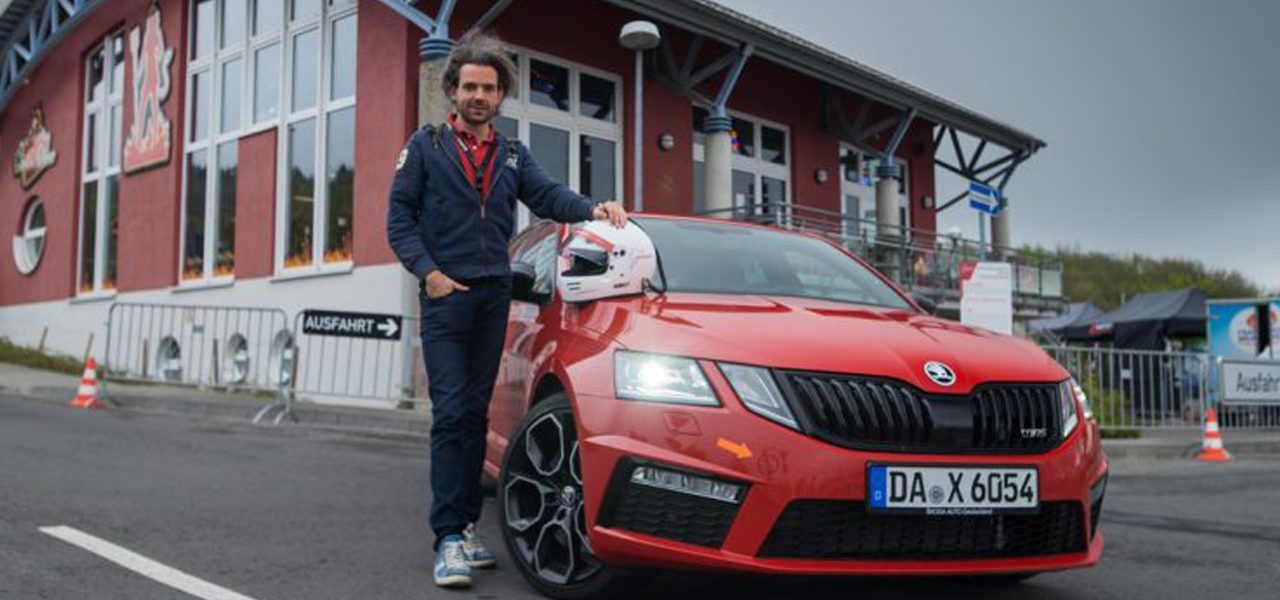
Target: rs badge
[{"x": 404, "y": 154}]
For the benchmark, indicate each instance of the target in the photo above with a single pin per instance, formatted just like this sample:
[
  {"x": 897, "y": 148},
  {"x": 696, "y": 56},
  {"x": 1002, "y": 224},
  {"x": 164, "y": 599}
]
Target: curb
[
  {"x": 1175, "y": 451},
  {"x": 373, "y": 421}
]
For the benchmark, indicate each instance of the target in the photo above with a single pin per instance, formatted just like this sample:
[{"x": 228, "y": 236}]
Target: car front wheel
[{"x": 543, "y": 519}]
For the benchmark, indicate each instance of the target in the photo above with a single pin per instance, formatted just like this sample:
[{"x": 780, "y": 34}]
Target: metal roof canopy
[{"x": 734, "y": 28}]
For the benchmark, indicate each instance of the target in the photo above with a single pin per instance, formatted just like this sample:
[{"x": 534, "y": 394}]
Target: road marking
[{"x": 140, "y": 564}]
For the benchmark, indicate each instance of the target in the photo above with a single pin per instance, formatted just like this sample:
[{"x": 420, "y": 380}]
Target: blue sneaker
[
  {"x": 451, "y": 568},
  {"x": 478, "y": 557}
]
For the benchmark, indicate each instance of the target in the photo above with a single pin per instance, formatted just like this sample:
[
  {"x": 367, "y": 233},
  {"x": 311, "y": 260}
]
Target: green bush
[{"x": 1110, "y": 410}]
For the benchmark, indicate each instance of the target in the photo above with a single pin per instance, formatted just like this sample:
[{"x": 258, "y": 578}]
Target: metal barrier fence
[
  {"x": 1149, "y": 389},
  {"x": 203, "y": 346},
  {"x": 359, "y": 370}
]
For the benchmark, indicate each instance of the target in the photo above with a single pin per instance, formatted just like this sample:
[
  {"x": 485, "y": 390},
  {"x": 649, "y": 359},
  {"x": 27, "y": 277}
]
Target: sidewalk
[{"x": 57, "y": 387}]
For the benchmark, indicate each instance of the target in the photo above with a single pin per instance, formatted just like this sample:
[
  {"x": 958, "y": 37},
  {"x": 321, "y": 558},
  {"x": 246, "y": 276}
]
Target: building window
[
  {"x": 567, "y": 114},
  {"x": 262, "y": 64},
  {"x": 858, "y": 192},
  {"x": 761, "y": 179},
  {"x": 28, "y": 245},
  {"x": 217, "y": 83},
  {"x": 318, "y": 171},
  {"x": 100, "y": 176}
]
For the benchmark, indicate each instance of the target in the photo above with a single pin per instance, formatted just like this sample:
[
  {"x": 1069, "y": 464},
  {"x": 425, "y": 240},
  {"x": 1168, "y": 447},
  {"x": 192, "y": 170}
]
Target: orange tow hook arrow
[{"x": 738, "y": 450}]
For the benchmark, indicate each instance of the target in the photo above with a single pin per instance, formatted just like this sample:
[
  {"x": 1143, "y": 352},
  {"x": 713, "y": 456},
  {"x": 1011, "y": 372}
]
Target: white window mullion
[{"x": 320, "y": 235}]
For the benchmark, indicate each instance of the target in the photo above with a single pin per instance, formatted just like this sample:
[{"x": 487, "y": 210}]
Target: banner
[{"x": 986, "y": 295}]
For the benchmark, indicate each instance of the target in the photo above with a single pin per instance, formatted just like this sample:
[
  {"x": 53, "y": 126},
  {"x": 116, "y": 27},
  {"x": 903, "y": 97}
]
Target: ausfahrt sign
[
  {"x": 1250, "y": 382},
  {"x": 349, "y": 324}
]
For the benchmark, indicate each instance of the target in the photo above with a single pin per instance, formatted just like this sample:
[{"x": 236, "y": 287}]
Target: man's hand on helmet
[
  {"x": 439, "y": 285},
  {"x": 612, "y": 211}
]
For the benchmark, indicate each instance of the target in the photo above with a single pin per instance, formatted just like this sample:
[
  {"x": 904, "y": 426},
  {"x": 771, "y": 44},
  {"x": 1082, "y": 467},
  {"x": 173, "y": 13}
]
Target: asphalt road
[{"x": 299, "y": 513}]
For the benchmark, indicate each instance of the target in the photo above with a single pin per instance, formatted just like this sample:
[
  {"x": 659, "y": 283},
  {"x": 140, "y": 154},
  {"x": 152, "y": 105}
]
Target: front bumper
[{"x": 781, "y": 466}]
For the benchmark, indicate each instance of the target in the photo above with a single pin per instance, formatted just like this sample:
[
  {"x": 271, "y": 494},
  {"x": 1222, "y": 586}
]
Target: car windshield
[{"x": 698, "y": 256}]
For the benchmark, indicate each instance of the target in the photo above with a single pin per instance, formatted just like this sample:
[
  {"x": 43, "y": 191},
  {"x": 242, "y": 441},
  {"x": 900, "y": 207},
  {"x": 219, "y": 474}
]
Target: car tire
[{"x": 549, "y": 545}]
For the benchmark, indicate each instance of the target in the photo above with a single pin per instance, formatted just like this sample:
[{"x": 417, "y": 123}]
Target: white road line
[{"x": 140, "y": 564}]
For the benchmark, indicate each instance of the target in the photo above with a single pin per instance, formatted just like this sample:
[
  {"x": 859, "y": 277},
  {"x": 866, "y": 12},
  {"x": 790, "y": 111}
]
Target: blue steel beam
[
  {"x": 43, "y": 28},
  {"x": 683, "y": 77}
]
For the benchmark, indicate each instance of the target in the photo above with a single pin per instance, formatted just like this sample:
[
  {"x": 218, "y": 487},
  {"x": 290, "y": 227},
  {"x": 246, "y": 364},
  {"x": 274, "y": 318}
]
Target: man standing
[{"x": 452, "y": 213}]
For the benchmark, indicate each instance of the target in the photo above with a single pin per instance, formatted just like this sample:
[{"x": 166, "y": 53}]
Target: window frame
[
  {"x": 22, "y": 243},
  {"x": 868, "y": 160},
  {"x": 519, "y": 107},
  {"x": 331, "y": 11},
  {"x": 105, "y": 170},
  {"x": 755, "y": 164},
  {"x": 214, "y": 64}
]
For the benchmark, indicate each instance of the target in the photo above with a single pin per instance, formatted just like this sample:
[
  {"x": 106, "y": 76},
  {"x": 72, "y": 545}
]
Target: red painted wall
[
  {"x": 148, "y": 218},
  {"x": 386, "y": 84},
  {"x": 255, "y": 204},
  {"x": 150, "y": 206}
]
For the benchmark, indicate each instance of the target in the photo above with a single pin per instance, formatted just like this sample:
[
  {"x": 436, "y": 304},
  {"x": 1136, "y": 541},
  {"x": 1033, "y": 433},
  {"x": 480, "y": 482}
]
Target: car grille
[
  {"x": 888, "y": 415},
  {"x": 664, "y": 513},
  {"x": 843, "y": 529}
]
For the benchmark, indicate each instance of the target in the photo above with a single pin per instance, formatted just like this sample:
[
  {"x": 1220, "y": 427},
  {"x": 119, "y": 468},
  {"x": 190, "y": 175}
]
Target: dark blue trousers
[{"x": 462, "y": 338}]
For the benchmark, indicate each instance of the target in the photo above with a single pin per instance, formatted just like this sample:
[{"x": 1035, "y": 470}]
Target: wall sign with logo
[
  {"x": 149, "y": 142},
  {"x": 35, "y": 153}
]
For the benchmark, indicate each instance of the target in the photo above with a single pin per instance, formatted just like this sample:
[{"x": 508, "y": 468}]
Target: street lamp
[{"x": 639, "y": 36}]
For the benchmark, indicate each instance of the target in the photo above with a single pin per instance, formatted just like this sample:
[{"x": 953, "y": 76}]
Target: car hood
[{"x": 816, "y": 335}]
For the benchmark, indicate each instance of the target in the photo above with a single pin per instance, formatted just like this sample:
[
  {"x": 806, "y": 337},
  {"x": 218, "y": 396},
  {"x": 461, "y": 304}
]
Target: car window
[
  {"x": 699, "y": 256},
  {"x": 537, "y": 247}
]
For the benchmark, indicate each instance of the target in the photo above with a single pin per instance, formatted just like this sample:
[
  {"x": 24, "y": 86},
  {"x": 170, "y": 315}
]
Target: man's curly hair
[{"x": 477, "y": 48}]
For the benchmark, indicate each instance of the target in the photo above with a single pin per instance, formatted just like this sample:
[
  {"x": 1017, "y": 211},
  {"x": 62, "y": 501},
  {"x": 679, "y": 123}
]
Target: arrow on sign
[
  {"x": 390, "y": 328},
  {"x": 738, "y": 450}
]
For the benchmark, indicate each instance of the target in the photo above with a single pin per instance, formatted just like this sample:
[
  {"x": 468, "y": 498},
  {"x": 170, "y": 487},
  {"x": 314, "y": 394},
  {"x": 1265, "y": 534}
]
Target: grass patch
[
  {"x": 30, "y": 357},
  {"x": 1120, "y": 434}
]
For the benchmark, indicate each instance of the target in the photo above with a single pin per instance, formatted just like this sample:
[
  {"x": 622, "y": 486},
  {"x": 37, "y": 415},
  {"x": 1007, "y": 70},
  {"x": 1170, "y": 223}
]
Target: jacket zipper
[{"x": 482, "y": 199}]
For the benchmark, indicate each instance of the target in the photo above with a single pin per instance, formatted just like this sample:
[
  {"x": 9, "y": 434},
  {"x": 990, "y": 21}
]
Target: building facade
[{"x": 239, "y": 152}]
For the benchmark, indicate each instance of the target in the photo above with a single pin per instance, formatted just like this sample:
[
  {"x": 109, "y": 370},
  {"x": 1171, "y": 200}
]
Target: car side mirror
[
  {"x": 522, "y": 277},
  {"x": 925, "y": 302}
]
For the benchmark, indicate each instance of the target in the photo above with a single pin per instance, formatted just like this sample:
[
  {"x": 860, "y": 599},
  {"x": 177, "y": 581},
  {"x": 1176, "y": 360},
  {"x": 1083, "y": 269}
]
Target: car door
[{"x": 537, "y": 247}]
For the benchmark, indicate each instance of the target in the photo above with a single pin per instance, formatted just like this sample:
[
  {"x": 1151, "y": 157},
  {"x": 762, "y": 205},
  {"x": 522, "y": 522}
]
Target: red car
[{"x": 770, "y": 403}]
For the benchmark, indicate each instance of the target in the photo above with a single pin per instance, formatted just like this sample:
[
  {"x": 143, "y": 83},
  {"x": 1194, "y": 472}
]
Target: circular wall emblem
[{"x": 940, "y": 373}]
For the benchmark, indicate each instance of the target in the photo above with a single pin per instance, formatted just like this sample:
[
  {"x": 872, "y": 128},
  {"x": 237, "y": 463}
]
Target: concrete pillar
[
  {"x": 433, "y": 107},
  {"x": 887, "y": 222},
  {"x": 718, "y": 167},
  {"x": 1000, "y": 231}
]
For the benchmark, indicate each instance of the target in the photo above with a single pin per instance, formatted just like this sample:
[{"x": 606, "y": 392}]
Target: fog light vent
[{"x": 676, "y": 481}]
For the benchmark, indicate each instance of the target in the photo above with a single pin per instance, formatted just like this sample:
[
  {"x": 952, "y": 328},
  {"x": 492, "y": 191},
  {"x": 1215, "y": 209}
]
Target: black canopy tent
[
  {"x": 1077, "y": 313},
  {"x": 1146, "y": 321}
]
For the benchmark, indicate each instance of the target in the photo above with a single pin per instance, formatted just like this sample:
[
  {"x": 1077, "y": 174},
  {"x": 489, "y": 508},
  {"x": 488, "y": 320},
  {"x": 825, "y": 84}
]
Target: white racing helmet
[{"x": 598, "y": 260}]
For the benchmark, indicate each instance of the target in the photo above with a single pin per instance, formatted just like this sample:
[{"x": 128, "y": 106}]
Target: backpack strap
[{"x": 513, "y": 153}]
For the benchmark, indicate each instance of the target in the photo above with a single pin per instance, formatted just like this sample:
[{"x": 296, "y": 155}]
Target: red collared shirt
[{"x": 472, "y": 153}]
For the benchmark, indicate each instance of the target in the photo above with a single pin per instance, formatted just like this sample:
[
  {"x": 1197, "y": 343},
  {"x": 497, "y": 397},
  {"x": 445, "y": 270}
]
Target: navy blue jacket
[{"x": 437, "y": 220}]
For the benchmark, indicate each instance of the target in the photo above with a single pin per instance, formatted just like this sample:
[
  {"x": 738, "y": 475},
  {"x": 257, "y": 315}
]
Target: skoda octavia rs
[{"x": 700, "y": 394}]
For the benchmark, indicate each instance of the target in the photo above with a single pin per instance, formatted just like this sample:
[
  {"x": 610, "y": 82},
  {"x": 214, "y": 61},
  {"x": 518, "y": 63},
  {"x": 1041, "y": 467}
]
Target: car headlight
[
  {"x": 758, "y": 392},
  {"x": 1082, "y": 398},
  {"x": 1068, "y": 402},
  {"x": 659, "y": 378}
]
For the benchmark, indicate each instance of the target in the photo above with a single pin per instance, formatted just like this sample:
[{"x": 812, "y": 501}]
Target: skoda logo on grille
[{"x": 940, "y": 373}]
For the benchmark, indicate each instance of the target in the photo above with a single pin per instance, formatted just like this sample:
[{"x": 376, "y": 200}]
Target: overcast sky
[{"x": 1161, "y": 116}]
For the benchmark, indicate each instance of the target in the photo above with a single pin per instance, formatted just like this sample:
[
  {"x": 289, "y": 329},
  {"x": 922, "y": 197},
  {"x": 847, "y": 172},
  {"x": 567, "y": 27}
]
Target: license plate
[{"x": 952, "y": 490}]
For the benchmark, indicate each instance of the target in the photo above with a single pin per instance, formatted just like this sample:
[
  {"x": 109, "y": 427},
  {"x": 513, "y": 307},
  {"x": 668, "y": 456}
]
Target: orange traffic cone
[
  {"x": 87, "y": 396},
  {"x": 1212, "y": 449}
]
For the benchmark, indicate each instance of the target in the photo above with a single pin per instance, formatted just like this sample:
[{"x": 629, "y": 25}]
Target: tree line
[{"x": 1109, "y": 280}]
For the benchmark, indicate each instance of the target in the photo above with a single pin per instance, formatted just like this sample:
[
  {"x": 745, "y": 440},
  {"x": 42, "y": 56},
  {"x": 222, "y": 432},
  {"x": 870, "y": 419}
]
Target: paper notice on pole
[{"x": 986, "y": 295}]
